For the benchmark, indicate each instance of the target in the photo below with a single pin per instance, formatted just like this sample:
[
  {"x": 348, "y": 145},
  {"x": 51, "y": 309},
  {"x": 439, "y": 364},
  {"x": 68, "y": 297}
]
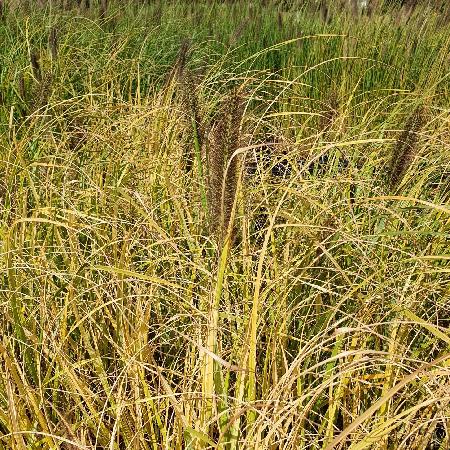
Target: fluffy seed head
[
  {"x": 223, "y": 168},
  {"x": 36, "y": 66},
  {"x": 406, "y": 146},
  {"x": 193, "y": 119},
  {"x": 53, "y": 42}
]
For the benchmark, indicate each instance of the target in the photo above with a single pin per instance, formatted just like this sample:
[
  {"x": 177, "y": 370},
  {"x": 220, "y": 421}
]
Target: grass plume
[
  {"x": 2, "y": 10},
  {"x": 224, "y": 139},
  {"x": 103, "y": 9},
  {"x": 406, "y": 146},
  {"x": 53, "y": 42},
  {"x": 194, "y": 122},
  {"x": 35, "y": 65},
  {"x": 179, "y": 67}
]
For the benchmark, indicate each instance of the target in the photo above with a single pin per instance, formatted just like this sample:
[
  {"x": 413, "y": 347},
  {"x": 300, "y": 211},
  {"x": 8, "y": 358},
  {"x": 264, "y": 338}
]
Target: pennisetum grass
[
  {"x": 137, "y": 308},
  {"x": 324, "y": 12},
  {"x": 103, "y": 9},
  {"x": 406, "y": 146},
  {"x": 192, "y": 151},
  {"x": 223, "y": 167},
  {"x": 53, "y": 42},
  {"x": 280, "y": 20},
  {"x": 193, "y": 148},
  {"x": 179, "y": 67},
  {"x": 2, "y": 10},
  {"x": 36, "y": 66}
]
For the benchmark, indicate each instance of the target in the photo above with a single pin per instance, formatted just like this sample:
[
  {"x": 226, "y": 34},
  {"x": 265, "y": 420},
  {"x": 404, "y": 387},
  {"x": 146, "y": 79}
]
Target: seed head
[
  {"x": 36, "y": 66},
  {"x": 103, "y": 9},
  {"x": 223, "y": 168},
  {"x": 193, "y": 119},
  {"x": 406, "y": 146},
  {"x": 53, "y": 42},
  {"x": 181, "y": 60},
  {"x": 2, "y": 9}
]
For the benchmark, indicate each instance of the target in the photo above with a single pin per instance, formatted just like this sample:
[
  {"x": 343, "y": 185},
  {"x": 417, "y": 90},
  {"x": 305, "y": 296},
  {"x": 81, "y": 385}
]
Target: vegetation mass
[{"x": 224, "y": 224}]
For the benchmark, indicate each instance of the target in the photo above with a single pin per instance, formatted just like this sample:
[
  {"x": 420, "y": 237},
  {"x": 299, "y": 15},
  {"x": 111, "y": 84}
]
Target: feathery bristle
[
  {"x": 22, "y": 90},
  {"x": 238, "y": 32},
  {"x": 77, "y": 133},
  {"x": 231, "y": 174},
  {"x": 354, "y": 7},
  {"x": 42, "y": 92},
  {"x": 324, "y": 11},
  {"x": 216, "y": 162},
  {"x": 406, "y": 146}
]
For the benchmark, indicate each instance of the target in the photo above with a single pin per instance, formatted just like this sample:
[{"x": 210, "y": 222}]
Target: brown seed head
[
  {"x": 157, "y": 13},
  {"x": 36, "y": 66},
  {"x": 193, "y": 119},
  {"x": 330, "y": 115},
  {"x": 2, "y": 9},
  {"x": 53, "y": 42},
  {"x": 223, "y": 167},
  {"x": 182, "y": 58},
  {"x": 103, "y": 9},
  {"x": 406, "y": 146}
]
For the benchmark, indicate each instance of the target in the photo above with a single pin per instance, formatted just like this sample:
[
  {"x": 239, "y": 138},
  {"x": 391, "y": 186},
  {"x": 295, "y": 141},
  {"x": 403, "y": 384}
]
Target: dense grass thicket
[{"x": 224, "y": 225}]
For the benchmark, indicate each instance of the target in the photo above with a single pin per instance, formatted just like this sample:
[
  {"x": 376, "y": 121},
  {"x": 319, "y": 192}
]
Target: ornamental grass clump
[{"x": 129, "y": 321}]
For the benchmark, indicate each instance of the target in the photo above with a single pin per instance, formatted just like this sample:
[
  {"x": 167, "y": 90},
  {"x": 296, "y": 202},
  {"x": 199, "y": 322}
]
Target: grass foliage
[{"x": 224, "y": 225}]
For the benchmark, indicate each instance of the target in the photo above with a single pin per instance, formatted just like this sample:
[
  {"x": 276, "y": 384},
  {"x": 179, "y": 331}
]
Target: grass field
[{"x": 224, "y": 225}]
